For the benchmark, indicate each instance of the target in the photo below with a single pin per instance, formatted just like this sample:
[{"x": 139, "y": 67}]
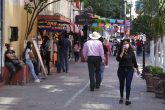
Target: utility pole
[
  {"x": 125, "y": 11},
  {"x": 130, "y": 16}
]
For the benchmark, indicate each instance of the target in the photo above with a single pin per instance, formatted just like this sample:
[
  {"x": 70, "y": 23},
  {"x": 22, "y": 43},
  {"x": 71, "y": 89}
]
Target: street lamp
[
  {"x": 125, "y": 9},
  {"x": 130, "y": 15},
  {"x": 143, "y": 36},
  {"x": 125, "y": 2}
]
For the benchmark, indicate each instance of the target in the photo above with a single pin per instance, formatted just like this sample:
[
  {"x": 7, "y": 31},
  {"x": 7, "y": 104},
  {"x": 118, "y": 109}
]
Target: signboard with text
[{"x": 84, "y": 19}]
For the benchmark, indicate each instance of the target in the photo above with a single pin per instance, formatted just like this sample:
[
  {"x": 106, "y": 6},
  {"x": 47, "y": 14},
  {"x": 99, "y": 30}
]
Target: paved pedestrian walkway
[{"x": 71, "y": 92}]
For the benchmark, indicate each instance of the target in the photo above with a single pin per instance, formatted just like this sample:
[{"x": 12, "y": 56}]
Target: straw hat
[{"x": 95, "y": 35}]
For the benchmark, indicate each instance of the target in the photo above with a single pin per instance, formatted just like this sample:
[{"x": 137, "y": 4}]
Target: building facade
[
  {"x": 14, "y": 17},
  {"x": 12, "y": 21},
  {"x": 1, "y": 23}
]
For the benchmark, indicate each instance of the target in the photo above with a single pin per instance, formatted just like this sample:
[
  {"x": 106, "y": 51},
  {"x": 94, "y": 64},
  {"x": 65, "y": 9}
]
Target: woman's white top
[{"x": 27, "y": 55}]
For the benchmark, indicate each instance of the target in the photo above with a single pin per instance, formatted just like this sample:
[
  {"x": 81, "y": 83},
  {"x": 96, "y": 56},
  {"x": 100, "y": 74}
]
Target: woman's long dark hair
[
  {"x": 130, "y": 49},
  {"x": 28, "y": 45}
]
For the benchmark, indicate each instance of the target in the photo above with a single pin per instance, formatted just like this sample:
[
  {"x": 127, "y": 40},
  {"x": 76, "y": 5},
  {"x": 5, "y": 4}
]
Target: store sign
[
  {"x": 51, "y": 25},
  {"x": 84, "y": 19}
]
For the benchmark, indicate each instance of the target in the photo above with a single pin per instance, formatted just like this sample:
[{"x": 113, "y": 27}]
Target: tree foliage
[
  {"x": 154, "y": 11},
  {"x": 105, "y": 8},
  {"x": 143, "y": 24},
  {"x": 34, "y": 8}
]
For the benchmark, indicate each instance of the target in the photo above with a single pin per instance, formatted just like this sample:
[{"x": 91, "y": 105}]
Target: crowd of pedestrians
[{"x": 95, "y": 50}]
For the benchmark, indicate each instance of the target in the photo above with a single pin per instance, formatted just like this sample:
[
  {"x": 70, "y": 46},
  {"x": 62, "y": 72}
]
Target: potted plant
[
  {"x": 157, "y": 73},
  {"x": 148, "y": 77},
  {"x": 164, "y": 87}
]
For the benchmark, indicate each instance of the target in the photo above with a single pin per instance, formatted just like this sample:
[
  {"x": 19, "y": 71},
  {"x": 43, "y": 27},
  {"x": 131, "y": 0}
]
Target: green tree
[
  {"x": 34, "y": 8},
  {"x": 143, "y": 24},
  {"x": 105, "y": 8},
  {"x": 156, "y": 10}
]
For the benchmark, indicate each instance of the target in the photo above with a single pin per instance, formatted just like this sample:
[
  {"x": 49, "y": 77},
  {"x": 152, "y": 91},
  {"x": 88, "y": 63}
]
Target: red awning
[
  {"x": 58, "y": 18},
  {"x": 70, "y": 28}
]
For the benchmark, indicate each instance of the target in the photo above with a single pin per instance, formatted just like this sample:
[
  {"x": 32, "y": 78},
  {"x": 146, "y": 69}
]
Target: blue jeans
[
  {"x": 102, "y": 67},
  {"x": 64, "y": 63},
  {"x": 94, "y": 63},
  {"x": 125, "y": 74},
  {"x": 31, "y": 67}
]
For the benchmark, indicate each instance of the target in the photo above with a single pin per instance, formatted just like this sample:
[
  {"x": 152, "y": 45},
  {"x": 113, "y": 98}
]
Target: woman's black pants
[
  {"x": 76, "y": 56},
  {"x": 125, "y": 74}
]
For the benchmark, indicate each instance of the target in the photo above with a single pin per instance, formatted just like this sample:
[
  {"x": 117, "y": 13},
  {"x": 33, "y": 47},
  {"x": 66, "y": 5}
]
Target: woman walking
[
  {"x": 76, "y": 49},
  {"x": 127, "y": 62}
]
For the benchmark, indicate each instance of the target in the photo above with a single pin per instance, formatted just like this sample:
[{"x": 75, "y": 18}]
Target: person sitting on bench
[{"x": 11, "y": 61}]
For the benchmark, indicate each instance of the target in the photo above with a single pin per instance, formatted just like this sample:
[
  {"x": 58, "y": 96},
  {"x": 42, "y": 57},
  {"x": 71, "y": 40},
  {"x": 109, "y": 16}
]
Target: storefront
[
  {"x": 55, "y": 25},
  {"x": 1, "y": 39}
]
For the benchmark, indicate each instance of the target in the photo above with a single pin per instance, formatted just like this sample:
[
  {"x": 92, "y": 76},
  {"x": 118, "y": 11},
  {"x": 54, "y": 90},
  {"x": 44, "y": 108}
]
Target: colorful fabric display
[
  {"x": 112, "y": 21},
  {"x": 119, "y": 21},
  {"x": 94, "y": 25},
  {"x": 101, "y": 25}
]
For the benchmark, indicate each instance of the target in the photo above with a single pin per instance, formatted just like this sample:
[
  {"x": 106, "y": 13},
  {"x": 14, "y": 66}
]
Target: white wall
[{"x": 63, "y": 7}]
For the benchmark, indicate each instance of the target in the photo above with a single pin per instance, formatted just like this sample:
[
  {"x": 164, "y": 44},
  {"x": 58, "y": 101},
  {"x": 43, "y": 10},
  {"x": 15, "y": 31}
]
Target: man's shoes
[
  {"x": 127, "y": 102},
  {"x": 97, "y": 87},
  {"x": 92, "y": 89}
]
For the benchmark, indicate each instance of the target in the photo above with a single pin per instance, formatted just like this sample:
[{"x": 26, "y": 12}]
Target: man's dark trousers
[{"x": 94, "y": 63}]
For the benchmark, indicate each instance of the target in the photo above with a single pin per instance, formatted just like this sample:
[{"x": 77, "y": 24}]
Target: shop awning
[
  {"x": 57, "y": 18},
  {"x": 55, "y": 23}
]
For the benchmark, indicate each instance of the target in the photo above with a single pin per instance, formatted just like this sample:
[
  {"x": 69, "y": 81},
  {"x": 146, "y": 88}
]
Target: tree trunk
[
  {"x": 160, "y": 51},
  {"x": 152, "y": 52},
  {"x": 164, "y": 52},
  {"x": 156, "y": 53}
]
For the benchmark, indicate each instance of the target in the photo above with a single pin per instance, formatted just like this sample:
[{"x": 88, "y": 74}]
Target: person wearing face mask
[
  {"x": 127, "y": 63},
  {"x": 28, "y": 54},
  {"x": 11, "y": 61}
]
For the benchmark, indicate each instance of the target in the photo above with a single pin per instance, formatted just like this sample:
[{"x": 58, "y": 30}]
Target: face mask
[
  {"x": 11, "y": 48},
  {"x": 126, "y": 46}
]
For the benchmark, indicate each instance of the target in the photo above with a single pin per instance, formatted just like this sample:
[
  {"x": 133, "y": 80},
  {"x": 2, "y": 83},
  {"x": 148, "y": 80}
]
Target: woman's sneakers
[
  {"x": 37, "y": 81},
  {"x": 121, "y": 101},
  {"x": 127, "y": 102}
]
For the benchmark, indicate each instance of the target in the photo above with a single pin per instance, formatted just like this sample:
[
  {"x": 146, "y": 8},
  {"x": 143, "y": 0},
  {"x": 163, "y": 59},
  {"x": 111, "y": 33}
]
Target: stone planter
[
  {"x": 164, "y": 88},
  {"x": 149, "y": 83},
  {"x": 158, "y": 87}
]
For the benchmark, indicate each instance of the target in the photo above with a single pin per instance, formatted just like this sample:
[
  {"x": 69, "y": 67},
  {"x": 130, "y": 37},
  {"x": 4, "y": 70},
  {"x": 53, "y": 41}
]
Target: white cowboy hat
[{"x": 95, "y": 35}]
